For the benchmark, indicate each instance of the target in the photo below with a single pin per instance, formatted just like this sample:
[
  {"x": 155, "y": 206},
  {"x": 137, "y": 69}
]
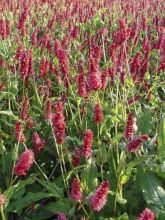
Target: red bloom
[
  {"x": 136, "y": 98},
  {"x": 147, "y": 214},
  {"x": 48, "y": 110},
  {"x": 122, "y": 77},
  {"x": 111, "y": 73},
  {"x": 37, "y": 142},
  {"x": 88, "y": 139},
  {"x": 25, "y": 162},
  {"x": 76, "y": 193},
  {"x": 24, "y": 108},
  {"x": 4, "y": 28},
  {"x": 19, "y": 52},
  {"x": 76, "y": 156},
  {"x": 48, "y": 84},
  {"x": 59, "y": 123},
  {"x": 95, "y": 53},
  {"x": 30, "y": 122},
  {"x": 20, "y": 137},
  {"x": 129, "y": 127},
  {"x": 33, "y": 38},
  {"x": 134, "y": 144},
  {"x": 44, "y": 67},
  {"x": 82, "y": 88},
  {"x": 135, "y": 65},
  {"x": 61, "y": 216},
  {"x": 57, "y": 46},
  {"x": 1, "y": 87},
  {"x": 104, "y": 78},
  {"x": 75, "y": 32},
  {"x": 99, "y": 198},
  {"x": 122, "y": 23},
  {"x": 21, "y": 23},
  {"x": 98, "y": 115},
  {"x": 2, "y": 199},
  {"x": 143, "y": 137},
  {"x": 24, "y": 65},
  {"x": 65, "y": 67},
  {"x": 94, "y": 77}
]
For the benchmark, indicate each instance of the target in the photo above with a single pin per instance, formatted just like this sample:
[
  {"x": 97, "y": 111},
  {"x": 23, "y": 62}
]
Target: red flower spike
[
  {"x": 25, "y": 162},
  {"x": 129, "y": 127},
  {"x": 99, "y": 198},
  {"x": 29, "y": 123},
  {"x": 76, "y": 157},
  {"x": 48, "y": 110},
  {"x": 20, "y": 137},
  {"x": 82, "y": 87},
  {"x": 65, "y": 66},
  {"x": 94, "y": 77},
  {"x": 87, "y": 146},
  {"x": 76, "y": 193},
  {"x": 98, "y": 115},
  {"x": 37, "y": 142},
  {"x": 136, "y": 98},
  {"x": 134, "y": 144},
  {"x": 24, "y": 108},
  {"x": 61, "y": 216},
  {"x": 104, "y": 78},
  {"x": 147, "y": 214},
  {"x": 59, "y": 123}
]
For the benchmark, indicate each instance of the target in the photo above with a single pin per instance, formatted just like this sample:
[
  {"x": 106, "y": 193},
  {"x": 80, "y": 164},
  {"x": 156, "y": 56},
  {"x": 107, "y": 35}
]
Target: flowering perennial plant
[{"x": 82, "y": 99}]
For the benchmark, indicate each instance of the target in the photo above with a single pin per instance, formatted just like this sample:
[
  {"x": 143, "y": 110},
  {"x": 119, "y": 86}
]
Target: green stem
[
  {"x": 41, "y": 170},
  {"x": 62, "y": 171},
  {"x": 2, "y": 213}
]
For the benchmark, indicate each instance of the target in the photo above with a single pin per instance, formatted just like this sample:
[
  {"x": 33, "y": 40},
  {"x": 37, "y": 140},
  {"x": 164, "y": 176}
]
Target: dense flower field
[{"x": 82, "y": 99}]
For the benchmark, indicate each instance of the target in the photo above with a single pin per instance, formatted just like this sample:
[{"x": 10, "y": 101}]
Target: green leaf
[
  {"x": 51, "y": 187},
  {"x": 152, "y": 190},
  {"x": 121, "y": 217},
  {"x": 17, "y": 190},
  {"x": 101, "y": 155},
  {"x": 9, "y": 113},
  {"x": 145, "y": 121},
  {"x": 27, "y": 200},
  {"x": 121, "y": 200},
  {"x": 89, "y": 176},
  {"x": 161, "y": 216},
  {"x": 161, "y": 139},
  {"x": 117, "y": 137},
  {"x": 59, "y": 206},
  {"x": 8, "y": 194},
  {"x": 2, "y": 147},
  {"x": 126, "y": 176}
]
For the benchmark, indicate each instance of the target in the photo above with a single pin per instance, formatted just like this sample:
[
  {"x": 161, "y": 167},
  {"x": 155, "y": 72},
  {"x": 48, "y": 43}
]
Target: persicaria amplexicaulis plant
[{"x": 81, "y": 107}]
